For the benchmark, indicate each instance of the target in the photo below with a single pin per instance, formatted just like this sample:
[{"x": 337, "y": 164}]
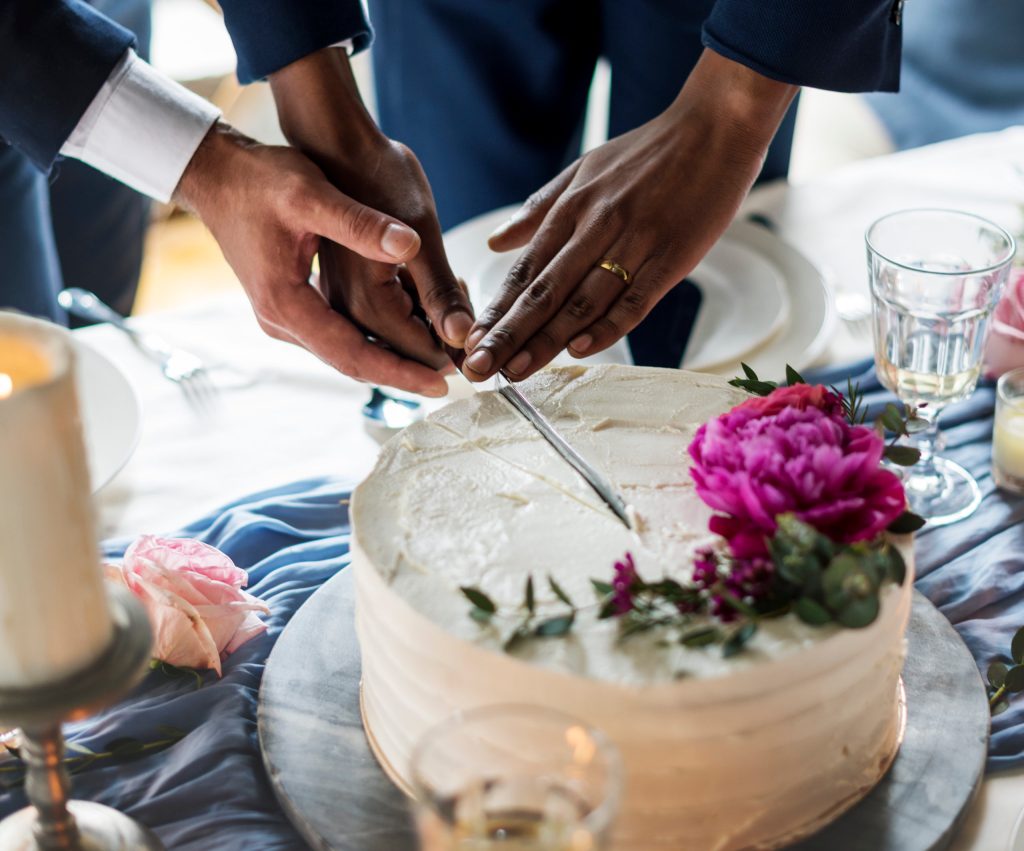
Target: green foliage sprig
[
  {"x": 529, "y": 622},
  {"x": 1004, "y": 679}
]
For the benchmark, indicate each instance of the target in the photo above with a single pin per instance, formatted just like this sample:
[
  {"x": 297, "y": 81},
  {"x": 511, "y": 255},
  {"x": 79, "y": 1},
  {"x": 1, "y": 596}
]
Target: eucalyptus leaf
[
  {"x": 906, "y": 523},
  {"x": 479, "y": 599},
  {"x": 1017, "y": 646},
  {"x": 559, "y": 592},
  {"x": 1014, "y": 681},
  {"x": 997, "y": 674},
  {"x": 738, "y": 640},
  {"x": 608, "y": 610},
  {"x": 892, "y": 419},
  {"x": 481, "y": 616},
  {"x": 601, "y": 589},
  {"x": 556, "y": 626},
  {"x": 529, "y": 600},
  {"x": 515, "y": 639},
  {"x": 858, "y": 613},
  {"x": 903, "y": 456},
  {"x": 897, "y": 566},
  {"x": 812, "y": 612},
  {"x": 1001, "y": 707},
  {"x": 915, "y": 425}
]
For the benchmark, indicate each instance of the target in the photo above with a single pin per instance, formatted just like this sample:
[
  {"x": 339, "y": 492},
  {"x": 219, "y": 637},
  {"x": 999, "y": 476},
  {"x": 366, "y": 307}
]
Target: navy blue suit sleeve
[
  {"x": 841, "y": 45},
  {"x": 55, "y": 56},
  {"x": 269, "y": 34}
]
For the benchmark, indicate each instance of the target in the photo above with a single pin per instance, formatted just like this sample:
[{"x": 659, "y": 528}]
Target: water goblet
[
  {"x": 515, "y": 778},
  {"x": 936, "y": 276}
]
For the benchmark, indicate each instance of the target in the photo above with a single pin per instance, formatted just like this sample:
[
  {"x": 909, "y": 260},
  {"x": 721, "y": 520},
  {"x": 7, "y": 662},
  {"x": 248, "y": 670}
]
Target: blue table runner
[{"x": 208, "y": 789}]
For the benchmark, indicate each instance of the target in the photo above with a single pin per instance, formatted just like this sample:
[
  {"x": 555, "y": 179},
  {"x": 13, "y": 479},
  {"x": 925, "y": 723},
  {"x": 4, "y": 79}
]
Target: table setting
[{"x": 222, "y": 472}]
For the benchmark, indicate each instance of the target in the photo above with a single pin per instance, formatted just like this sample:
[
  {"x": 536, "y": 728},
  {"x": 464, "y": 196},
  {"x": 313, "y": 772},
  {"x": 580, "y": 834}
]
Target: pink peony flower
[
  {"x": 764, "y": 458},
  {"x": 193, "y": 595},
  {"x": 1004, "y": 349}
]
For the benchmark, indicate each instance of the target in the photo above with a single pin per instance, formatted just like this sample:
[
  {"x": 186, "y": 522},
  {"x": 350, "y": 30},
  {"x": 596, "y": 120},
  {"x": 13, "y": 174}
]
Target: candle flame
[{"x": 6, "y": 385}]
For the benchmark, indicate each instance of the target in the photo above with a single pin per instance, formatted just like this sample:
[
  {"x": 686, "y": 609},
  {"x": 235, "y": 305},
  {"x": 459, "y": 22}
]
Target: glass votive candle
[
  {"x": 1008, "y": 433},
  {"x": 515, "y": 778}
]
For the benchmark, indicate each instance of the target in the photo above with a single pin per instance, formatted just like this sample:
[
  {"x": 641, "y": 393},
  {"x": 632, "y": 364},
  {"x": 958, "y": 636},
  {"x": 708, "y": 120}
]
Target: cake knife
[{"x": 601, "y": 486}]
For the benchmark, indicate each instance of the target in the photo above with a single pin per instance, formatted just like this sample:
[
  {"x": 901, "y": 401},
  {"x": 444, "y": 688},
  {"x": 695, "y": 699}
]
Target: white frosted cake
[{"x": 745, "y": 752}]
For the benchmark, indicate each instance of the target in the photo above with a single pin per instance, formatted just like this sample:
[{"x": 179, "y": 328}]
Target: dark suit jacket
[{"x": 56, "y": 54}]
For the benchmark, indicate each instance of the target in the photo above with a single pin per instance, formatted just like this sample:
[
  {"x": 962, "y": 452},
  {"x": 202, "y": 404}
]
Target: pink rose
[
  {"x": 763, "y": 459},
  {"x": 193, "y": 595},
  {"x": 1004, "y": 349}
]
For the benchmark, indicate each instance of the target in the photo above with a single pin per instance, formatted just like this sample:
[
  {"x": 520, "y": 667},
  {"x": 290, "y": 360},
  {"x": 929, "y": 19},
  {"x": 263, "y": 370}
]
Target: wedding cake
[{"x": 720, "y": 751}]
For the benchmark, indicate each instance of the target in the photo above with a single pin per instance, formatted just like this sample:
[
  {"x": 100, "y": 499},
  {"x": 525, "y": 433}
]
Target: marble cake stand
[{"x": 333, "y": 790}]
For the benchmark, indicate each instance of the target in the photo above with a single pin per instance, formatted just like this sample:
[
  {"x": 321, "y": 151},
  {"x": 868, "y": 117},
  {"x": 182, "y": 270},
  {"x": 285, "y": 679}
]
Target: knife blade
[{"x": 600, "y": 485}]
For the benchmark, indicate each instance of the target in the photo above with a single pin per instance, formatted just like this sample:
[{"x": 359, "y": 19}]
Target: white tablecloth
[{"x": 300, "y": 419}]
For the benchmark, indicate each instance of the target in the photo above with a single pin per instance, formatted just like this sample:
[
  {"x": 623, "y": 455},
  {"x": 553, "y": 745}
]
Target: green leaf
[
  {"x": 701, "y": 637},
  {"x": 608, "y": 610},
  {"x": 1015, "y": 679},
  {"x": 915, "y": 425},
  {"x": 812, "y": 612},
  {"x": 601, "y": 589},
  {"x": 553, "y": 627},
  {"x": 77, "y": 748},
  {"x": 559, "y": 592},
  {"x": 903, "y": 456},
  {"x": 738, "y": 640},
  {"x": 1001, "y": 707},
  {"x": 1017, "y": 646},
  {"x": 858, "y": 613},
  {"x": 529, "y": 600},
  {"x": 793, "y": 377},
  {"x": 516, "y": 638},
  {"x": 480, "y": 616},
  {"x": 125, "y": 747},
  {"x": 906, "y": 523},
  {"x": 897, "y": 566},
  {"x": 892, "y": 418},
  {"x": 748, "y": 371},
  {"x": 479, "y": 599},
  {"x": 997, "y": 674}
]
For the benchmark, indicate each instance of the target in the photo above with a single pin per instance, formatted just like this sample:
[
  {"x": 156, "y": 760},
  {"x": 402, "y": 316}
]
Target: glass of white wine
[
  {"x": 515, "y": 778},
  {"x": 936, "y": 276}
]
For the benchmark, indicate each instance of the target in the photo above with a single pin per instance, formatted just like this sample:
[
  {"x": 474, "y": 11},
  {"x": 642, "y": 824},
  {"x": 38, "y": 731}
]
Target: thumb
[
  {"x": 368, "y": 232},
  {"x": 520, "y": 228}
]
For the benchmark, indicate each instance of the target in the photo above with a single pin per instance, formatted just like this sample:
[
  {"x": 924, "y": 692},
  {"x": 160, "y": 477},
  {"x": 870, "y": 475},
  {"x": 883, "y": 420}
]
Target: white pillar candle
[
  {"x": 1008, "y": 441},
  {"x": 54, "y": 614}
]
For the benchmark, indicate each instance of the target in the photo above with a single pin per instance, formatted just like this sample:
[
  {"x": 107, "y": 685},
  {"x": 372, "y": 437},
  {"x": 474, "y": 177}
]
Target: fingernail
[
  {"x": 456, "y": 327},
  {"x": 475, "y": 338},
  {"x": 581, "y": 343},
  {"x": 519, "y": 363},
  {"x": 480, "y": 361},
  {"x": 399, "y": 241},
  {"x": 436, "y": 392}
]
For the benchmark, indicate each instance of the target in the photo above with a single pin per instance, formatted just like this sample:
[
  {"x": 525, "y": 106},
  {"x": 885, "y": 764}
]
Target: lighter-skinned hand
[
  {"x": 268, "y": 208},
  {"x": 653, "y": 200}
]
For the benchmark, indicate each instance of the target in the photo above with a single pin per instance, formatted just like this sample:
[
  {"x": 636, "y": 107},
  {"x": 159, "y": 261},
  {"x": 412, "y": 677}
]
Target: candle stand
[{"x": 52, "y": 822}]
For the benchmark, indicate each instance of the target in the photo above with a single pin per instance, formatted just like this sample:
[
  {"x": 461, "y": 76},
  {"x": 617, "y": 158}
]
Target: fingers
[
  {"x": 590, "y": 301},
  {"x": 523, "y": 224},
  {"x": 529, "y": 300},
  {"x": 444, "y": 301},
  {"x": 362, "y": 229},
  {"x": 649, "y": 284},
  {"x": 301, "y": 312}
]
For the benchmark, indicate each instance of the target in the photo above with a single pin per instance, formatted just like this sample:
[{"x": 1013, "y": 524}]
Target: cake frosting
[
  {"x": 54, "y": 615},
  {"x": 721, "y": 754}
]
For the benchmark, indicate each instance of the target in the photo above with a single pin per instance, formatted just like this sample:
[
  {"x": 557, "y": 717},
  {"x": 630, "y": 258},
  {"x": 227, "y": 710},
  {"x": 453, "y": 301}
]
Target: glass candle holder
[
  {"x": 1008, "y": 433},
  {"x": 515, "y": 778}
]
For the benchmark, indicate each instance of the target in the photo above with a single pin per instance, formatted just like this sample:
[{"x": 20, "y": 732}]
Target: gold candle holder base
[{"x": 52, "y": 822}]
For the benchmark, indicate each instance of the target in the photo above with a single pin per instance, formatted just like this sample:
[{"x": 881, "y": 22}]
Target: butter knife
[{"x": 601, "y": 486}]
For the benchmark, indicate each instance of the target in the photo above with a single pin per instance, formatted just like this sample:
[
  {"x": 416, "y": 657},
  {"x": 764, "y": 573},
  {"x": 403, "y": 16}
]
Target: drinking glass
[
  {"x": 1008, "y": 433},
  {"x": 515, "y": 778},
  {"x": 936, "y": 276}
]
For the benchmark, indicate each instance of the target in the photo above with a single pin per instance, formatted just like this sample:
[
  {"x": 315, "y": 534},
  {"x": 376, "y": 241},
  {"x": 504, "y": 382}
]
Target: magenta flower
[
  {"x": 623, "y": 583},
  {"x": 793, "y": 451}
]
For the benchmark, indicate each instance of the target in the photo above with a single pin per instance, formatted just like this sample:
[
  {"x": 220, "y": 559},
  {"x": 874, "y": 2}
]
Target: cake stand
[{"x": 331, "y": 787}]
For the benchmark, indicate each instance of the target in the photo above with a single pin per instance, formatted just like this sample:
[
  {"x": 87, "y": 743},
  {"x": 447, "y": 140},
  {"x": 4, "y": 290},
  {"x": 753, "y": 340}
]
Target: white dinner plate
[
  {"x": 111, "y": 416},
  {"x": 764, "y": 302}
]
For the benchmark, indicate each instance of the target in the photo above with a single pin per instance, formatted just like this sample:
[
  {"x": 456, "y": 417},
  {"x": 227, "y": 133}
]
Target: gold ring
[{"x": 615, "y": 269}]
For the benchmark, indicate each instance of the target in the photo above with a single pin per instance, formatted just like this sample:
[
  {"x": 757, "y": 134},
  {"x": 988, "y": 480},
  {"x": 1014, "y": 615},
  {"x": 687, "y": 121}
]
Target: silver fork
[{"x": 183, "y": 368}]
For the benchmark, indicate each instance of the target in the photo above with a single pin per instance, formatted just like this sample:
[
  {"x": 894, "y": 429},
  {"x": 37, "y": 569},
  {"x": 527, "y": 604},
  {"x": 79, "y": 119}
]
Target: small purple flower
[{"x": 623, "y": 584}]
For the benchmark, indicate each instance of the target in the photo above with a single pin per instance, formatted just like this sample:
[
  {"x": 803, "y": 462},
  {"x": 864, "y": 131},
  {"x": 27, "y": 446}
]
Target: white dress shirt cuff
[{"x": 142, "y": 128}]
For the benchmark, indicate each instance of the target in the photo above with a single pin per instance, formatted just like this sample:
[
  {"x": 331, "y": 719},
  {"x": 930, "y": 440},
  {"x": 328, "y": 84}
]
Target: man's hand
[
  {"x": 653, "y": 200},
  {"x": 322, "y": 114},
  {"x": 268, "y": 208}
]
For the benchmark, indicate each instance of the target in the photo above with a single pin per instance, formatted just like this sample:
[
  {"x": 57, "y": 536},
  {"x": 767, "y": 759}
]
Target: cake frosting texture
[{"x": 719, "y": 753}]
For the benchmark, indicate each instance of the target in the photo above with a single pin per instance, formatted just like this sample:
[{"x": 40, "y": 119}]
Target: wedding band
[{"x": 615, "y": 269}]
